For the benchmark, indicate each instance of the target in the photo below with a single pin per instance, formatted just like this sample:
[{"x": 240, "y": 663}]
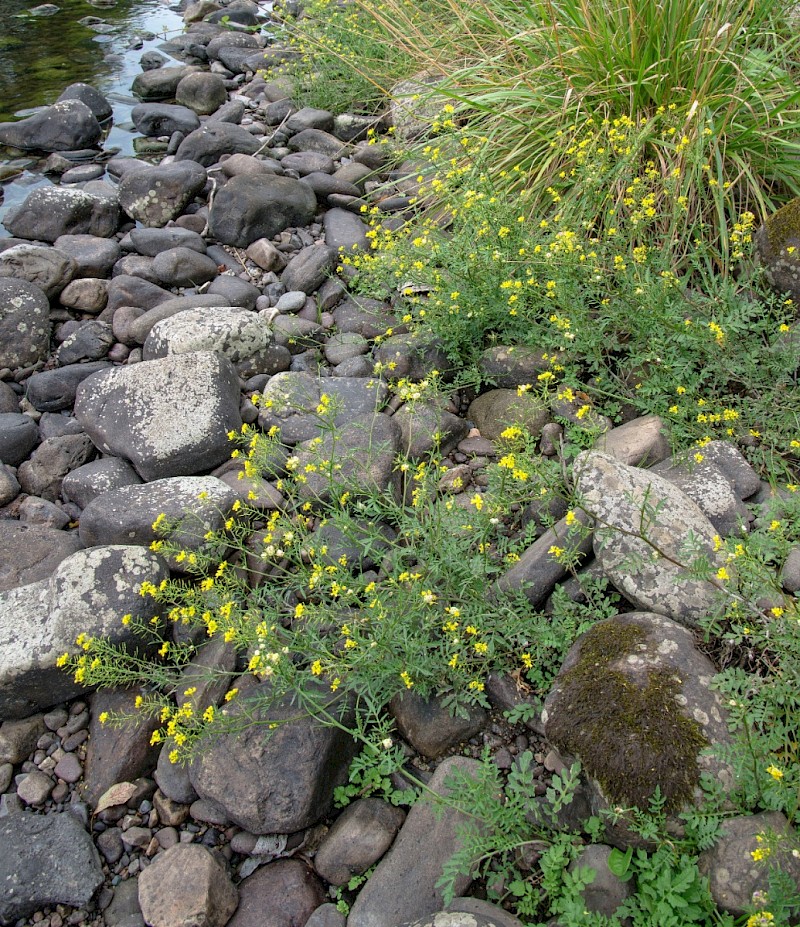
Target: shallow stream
[{"x": 99, "y": 43}]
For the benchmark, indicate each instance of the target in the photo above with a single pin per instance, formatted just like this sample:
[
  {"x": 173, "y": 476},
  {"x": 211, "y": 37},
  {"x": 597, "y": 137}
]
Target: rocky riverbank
[{"x": 142, "y": 305}]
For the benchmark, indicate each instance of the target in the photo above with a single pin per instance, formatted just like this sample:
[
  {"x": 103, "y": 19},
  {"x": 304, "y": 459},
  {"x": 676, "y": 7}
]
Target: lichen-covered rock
[
  {"x": 234, "y": 332},
  {"x": 88, "y": 593},
  {"x": 497, "y": 409},
  {"x": 47, "y": 213},
  {"x": 778, "y": 248},
  {"x": 168, "y": 417},
  {"x": 50, "y": 269},
  {"x": 67, "y": 125},
  {"x": 633, "y": 702},
  {"x": 733, "y": 875},
  {"x": 24, "y": 323},
  {"x": 155, "y": 195},
  {"x": 646, "y": 536}
]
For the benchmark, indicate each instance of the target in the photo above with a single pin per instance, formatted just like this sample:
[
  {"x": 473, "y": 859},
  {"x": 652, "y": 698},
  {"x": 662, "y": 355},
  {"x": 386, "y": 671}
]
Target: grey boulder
[
  {"x": 168, "y": 417},
  {"x": 231, "y": 331},
  {"x": 250, "y": 207},
  {"x": 88, "y": 592},
  {"x": 24, "y": 323},
  {"x": 646, "y": 535},
  {"x": 47, "y": 213},
  {"x": 51, "y": 270},
  {"x": 46, "y": 860},
  {"x": 67, "y": 125}
]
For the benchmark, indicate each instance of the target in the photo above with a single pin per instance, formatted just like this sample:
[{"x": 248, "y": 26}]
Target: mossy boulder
[
  {"x": 633, "y": 703},
  {"x": 778, "y": 248}
]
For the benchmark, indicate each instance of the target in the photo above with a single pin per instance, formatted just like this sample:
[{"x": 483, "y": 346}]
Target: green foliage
[
  {"x": 599, "y": 285},
  {"x": 345, "y": 61}
]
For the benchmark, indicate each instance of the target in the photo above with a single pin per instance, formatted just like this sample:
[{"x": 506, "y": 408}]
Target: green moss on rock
[{"x": 629, "y": 737}]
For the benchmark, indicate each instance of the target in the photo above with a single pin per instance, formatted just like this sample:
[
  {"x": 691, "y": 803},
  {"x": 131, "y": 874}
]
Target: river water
[{"x": 41, "y": 55}]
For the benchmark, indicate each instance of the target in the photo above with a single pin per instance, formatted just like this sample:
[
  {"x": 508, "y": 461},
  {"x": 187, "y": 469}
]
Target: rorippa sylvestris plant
[
  {"x": 597, "y": 284},
  {"x": 356, "y": 592}
]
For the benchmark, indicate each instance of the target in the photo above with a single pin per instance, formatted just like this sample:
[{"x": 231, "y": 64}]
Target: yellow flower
[
  {"x": 407, "y": 681},
  {"x": 569, "y": 518},
  {"x": 155, "y": 738},
  {"x": 316, "y": 668},
  {"x": 208, "y": 714},
  {"x": 775, "y": 772},
  {"x": 231, "y": 694},
  {"x": 722, "y": 574},
  {"x": 173, "y": 756},
  {"x": 104, "y": 717},
  {"x": 62, "y": 660},
  {"x": 556, "y": 551}
]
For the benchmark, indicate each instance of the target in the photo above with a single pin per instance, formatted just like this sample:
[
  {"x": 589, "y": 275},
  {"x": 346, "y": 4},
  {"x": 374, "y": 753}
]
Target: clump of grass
[
  {"x": 521, "y": 73},
  {"x": 346, "y": 61}
]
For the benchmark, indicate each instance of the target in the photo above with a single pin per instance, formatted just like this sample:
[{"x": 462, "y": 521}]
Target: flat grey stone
[
  {"x": 46, "y": 860},
  {"x": 229, "y": 330}
]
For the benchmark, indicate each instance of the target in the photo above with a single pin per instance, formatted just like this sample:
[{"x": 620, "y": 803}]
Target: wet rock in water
[
  {"x": 49, "y": 269},
  {"x": 259, "y": 206},
  {"x": 276, "y": 784},
  {"x": 158, "y": 194},
  {"x": 645, "y": 520},
  {"x": 186, "y": 885},
  {"x": 159, "y": 83},
  {"x": 46, "y": 860},
  {"x": 29, "y": 554},
  {"x": 359, "y": 837},
  {"x": 202, "y": 92},
  {"x": 211, "y": 141},
  {"x": 47, "y": 213},
  {"x": 88, "y": 592},
  {"x": 168, "y": 417},
  {"x": 231, "y": 331},
  {"x": 91, "y": 97},
  {"x": 68, "y": 125},
  {"x": 403, "y": 886},
  {"x": 195, "y": 504},
  {"x": 633, "y": 702},
  {"x": 281, "y": 894},
  {"x": 24, "y": 323},
  {"x": 154, "y": 119}
]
